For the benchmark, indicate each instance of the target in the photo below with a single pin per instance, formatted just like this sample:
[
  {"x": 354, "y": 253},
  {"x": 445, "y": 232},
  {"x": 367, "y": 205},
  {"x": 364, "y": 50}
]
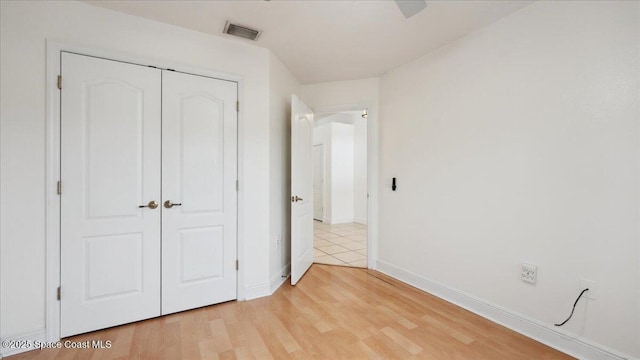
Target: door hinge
[
  {"x": 237, "y": 185},
  {"x": 59, "y": 188},
  {"x": 60, "y": 82},
  {"x": 237, "y": 106},
  {"x": 237, "y": 264},
  {"x": 58, "y": 293}
]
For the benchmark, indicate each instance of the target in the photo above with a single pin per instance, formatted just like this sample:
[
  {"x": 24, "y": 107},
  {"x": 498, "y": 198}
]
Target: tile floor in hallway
[{"x": 341, "y": 244}]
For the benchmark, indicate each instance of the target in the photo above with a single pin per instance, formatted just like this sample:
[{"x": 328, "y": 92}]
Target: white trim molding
[
  {"x": 341, "y": 221},
  {"x": 362, "y": 221},
  {"x": 25, "y": 342},
  {"x": 257, "y": 291},
  {"x": 567, "y": 343}
]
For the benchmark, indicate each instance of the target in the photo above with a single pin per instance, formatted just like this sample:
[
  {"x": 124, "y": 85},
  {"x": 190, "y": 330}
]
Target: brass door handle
[
  {"x": 168, "y": 204},
  {"x": 151, "y": 205},
  {"x": 296, "y": 198}
]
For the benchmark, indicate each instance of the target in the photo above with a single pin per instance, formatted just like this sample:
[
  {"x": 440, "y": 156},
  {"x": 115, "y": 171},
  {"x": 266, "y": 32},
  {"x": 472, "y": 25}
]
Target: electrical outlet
[
  {"x": 591, "y": 285},
  {"x": 278, "y": 240},
  {"x": 529, "y": 273}
]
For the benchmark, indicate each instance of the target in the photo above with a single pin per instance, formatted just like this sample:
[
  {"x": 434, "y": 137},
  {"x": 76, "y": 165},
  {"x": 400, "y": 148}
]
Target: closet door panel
[
  {"x": 199, "y": 157},
  {"x": 110, "y": 165}
]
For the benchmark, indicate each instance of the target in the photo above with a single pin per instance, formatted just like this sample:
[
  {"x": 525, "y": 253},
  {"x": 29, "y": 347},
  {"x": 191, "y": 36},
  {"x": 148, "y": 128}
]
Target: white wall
[
  {"x": 24, "y": 26},
  {"x": 344, "y": 191},
  {"x": 282, "y": 85},
  {"x": 322, "y": 136},
  {"x": 331, "y": 94},
  {"x": 360, "y": 170},
  {"x": 341, "y": 173},
  {"x": 520, "y": 143}
]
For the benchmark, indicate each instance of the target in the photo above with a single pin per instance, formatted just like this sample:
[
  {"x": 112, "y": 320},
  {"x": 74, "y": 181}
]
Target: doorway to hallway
[{"x": 340, "y": 159}]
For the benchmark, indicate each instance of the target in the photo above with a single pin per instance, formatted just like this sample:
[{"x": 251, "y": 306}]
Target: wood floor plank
[
  {"x": 333, "y": 313},
  {"x": 401, "y": 340}
]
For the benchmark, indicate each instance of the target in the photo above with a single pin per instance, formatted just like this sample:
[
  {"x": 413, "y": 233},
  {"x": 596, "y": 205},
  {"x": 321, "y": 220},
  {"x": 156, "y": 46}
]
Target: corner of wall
[{"x": 280, "y": 277}]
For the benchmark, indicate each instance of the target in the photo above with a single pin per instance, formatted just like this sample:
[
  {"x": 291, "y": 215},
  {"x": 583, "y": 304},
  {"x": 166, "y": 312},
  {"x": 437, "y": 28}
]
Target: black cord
[{"x": 574, "y": 307}]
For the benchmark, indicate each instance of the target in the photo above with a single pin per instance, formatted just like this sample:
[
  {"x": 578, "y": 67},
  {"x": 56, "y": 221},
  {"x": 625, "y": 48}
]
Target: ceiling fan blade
[{"x": 411, "y": 7}]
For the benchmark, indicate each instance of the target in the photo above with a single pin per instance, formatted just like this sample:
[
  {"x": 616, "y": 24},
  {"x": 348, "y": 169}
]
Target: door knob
[
  {"x": 168, "y": 204},
  {"x": 296, "y": 198},
  {"x": 151, "y": 205}
]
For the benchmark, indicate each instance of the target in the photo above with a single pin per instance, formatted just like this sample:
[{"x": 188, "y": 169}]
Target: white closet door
[
  {"x": 110, "y": 141},
  {"x": 199, "y": 172}
]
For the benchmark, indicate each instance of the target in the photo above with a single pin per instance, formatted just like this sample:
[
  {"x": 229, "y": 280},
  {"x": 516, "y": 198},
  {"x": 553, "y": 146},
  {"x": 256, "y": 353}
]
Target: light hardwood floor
[{"x": 333, "y": 313}]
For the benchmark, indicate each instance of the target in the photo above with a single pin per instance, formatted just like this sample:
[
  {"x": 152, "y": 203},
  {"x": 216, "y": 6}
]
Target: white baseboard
[
  {"x": 360, "y": 221},
  {"x": 341, "y": 221},
  {"x": 257, "y": 291},
  {"x": 280, "y": 278},
  {"x": 28, "y": 338},
  {"x": 563, "y": 341}
]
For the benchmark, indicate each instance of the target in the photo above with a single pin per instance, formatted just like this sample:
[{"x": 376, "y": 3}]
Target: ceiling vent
[{"x": 241, "y": 31}]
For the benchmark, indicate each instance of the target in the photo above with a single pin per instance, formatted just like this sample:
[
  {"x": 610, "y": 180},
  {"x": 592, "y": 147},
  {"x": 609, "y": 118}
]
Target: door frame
[
  {"x": 372, "y": 171},
  {"x": 52, "y": 164}
]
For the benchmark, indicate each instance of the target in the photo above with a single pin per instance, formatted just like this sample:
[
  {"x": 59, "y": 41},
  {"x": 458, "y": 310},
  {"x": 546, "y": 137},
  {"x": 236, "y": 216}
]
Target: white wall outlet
[
  {"x": 529, "y": 273},
  {"x": 591, "y": 285},
  {"x": 278, "y": 240}
]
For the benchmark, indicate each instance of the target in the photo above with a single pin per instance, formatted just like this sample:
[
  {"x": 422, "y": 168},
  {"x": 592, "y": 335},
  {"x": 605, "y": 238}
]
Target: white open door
[
  {"x": 301, "y": 189},
  {"x": 110, "y": 214},
  {"x": 199, "y": 172}
]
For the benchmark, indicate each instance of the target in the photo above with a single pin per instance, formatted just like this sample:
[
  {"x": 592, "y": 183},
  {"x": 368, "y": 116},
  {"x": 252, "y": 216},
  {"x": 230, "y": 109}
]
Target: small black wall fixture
[{"x": 393, "y": 184}]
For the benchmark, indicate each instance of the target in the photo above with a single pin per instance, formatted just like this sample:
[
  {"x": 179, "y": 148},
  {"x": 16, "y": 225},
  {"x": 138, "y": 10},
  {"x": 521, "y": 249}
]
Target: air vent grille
[{"x": 241, "y": 31}]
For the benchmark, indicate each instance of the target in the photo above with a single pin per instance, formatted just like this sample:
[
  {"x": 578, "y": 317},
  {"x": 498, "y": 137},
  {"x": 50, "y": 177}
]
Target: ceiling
[{"x": 322, "y": 41}]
